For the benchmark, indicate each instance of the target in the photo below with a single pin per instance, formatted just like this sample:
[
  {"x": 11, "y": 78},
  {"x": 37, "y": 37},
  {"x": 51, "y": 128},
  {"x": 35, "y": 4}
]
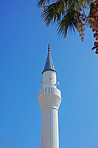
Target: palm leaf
[
  {"x": 44, "y": 2},
  {"x": 70, "y": 21},
  {"x": 54, "y": 12}
]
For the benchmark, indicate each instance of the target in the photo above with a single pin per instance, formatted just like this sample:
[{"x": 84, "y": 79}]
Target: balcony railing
[{"x": 49, "y": 90}]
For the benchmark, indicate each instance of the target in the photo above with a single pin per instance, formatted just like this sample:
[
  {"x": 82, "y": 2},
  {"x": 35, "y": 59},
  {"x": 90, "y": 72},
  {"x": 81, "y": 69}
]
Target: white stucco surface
[
  {"x": 46, "y": 76},
  {"x": 49, "y": 98},
  {"x": 50, "y": 136}
]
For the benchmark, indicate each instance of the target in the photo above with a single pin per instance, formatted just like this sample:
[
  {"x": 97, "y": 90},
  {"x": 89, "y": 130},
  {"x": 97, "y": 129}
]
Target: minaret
[{"x": 49, "y": 98}]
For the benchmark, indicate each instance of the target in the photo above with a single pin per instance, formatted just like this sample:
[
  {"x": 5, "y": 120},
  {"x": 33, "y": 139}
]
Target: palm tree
[{"x": 67, "y": 14}]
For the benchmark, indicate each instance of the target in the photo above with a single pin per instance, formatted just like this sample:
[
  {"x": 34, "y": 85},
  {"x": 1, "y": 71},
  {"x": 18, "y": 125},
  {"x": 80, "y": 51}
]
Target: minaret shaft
[{"x": 50, "y": 136}]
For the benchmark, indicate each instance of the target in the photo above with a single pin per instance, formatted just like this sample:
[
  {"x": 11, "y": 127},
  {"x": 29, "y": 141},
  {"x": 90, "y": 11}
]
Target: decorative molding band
[
  {"x": 49, "y": 107},
  {"x": 49, "y": 90}
]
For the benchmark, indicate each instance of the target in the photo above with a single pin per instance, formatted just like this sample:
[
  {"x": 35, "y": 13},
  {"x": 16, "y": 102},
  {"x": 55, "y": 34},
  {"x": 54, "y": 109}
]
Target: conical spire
[{"x": 49, "y": 63}]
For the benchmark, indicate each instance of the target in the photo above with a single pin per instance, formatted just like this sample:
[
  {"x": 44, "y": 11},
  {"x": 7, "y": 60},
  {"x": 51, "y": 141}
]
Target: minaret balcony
[
  {"x": 49, "y": 97},
  {"x": 49, "y": 90}
]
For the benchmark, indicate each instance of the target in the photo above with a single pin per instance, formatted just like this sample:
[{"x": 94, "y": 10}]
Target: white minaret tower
[{"x": 49, "y": 98}]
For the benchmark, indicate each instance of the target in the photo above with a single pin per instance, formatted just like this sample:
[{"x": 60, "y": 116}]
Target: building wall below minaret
[{"x": 50, "y": 136}]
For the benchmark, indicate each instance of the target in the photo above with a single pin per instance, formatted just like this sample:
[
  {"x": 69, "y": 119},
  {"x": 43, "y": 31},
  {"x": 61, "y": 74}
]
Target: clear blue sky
[{"x": 23, "y": 51}]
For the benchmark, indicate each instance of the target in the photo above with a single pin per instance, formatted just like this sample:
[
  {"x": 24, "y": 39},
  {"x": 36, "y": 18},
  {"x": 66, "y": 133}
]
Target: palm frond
[
  {"x": 40, "y": 3},
  {"x": 54, "y": 12},
  {"x": 70, "y": 21},
  {"x": 44, "y": 2},
  {"x": 67, "y": 14}
]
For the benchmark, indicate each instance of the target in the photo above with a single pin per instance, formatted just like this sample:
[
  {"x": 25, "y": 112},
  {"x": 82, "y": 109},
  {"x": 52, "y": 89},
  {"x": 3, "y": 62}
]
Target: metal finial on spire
[
  {"x": 49, "y": 48},
  {"x": 49, "y": 66}
]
